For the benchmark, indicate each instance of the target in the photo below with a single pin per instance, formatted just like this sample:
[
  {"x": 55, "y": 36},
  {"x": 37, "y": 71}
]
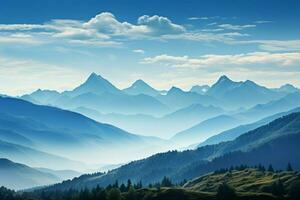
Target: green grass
[{"x": 248, "y": 180}]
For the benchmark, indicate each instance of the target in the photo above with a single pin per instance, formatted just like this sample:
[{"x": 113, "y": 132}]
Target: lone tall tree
[
  {"x": 270, "y": 168},
  {"x": 289, "y": 167}
]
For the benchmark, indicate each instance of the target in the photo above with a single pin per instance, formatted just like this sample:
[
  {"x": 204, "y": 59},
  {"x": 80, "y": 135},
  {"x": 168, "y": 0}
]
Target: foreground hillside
[
  {"x": 226, "y": 184},
  {"x": 253, "y": 180}
]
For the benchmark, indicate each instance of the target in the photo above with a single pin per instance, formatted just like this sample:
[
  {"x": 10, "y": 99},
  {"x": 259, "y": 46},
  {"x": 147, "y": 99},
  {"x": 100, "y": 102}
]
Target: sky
[{"x": 56, "y": 44}]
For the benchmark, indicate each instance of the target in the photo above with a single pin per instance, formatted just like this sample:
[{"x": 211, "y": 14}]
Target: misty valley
[{"x": 76, "y": 144}]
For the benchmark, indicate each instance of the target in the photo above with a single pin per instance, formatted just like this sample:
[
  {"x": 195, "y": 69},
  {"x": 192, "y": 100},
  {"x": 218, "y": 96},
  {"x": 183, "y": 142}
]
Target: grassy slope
[{"x": 248, "y": 180}]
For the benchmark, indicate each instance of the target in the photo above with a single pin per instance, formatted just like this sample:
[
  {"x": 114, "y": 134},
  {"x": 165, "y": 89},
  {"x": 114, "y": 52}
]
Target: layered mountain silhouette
[
  {"x": 66, "y": 133},
  {"x": 37, "y": 158},
  {"x": 178, "y": 99},
  {"x": 205, "y": 129},
  {"x": 219, "y": 127},
  {"x": 18, "y": 176},
  {"x": 233, "y": 133},
  {"x": 164, "y": 126},
  {"x": 276, "y": 143}
]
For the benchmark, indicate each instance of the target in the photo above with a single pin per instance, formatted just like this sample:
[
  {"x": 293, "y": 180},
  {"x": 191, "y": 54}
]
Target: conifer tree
[
  {"x": 289, "y": 167},
  {"x": 270, "y": 168}
]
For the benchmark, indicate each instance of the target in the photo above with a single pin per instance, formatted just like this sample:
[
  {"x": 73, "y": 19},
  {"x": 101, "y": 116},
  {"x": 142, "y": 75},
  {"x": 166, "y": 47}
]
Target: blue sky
[{"x": 57, "y": 44}]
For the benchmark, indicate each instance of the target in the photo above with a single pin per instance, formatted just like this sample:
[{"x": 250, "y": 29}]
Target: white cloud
[
  {"x": 207, "y": 36},
  {"x": 103, "y": 28},
  {"x": 20, "y": 76},
  {"x": 198, "y": 18},
  {"x": 20, "y": 38},
  {"x": 160, "y": 25},
  {"x": 19, "y": 27},
  {"x": 140, "y": 51},
  {"x": 274, "y": 45},
  {"x": 262, "y": 22},
  {"x": 236, "y": 27},
  {"x": 251, "y": 61},
  {"x": 108, "y": 24},
  {"x": 212, "y": 24}
]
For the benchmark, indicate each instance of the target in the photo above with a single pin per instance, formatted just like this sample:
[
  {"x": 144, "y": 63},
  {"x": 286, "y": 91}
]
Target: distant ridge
[{"x": 141, "y": 87}]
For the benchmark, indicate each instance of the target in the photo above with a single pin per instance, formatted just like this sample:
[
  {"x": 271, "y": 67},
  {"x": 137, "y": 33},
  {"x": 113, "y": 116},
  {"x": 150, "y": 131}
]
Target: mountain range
[
  {"x": 228, "y": 123},
  {"x": 140, "y": 107},
  {"x": 163, "y": 127}
]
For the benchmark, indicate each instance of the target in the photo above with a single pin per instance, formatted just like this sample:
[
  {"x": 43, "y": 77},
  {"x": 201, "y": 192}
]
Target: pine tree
[
  {"x": 129, "y": 184},
  {"x": 123, "y": 188},
  {"x": 166, "y": 182},
  {"x": 289, "y": 167},
  {"x": 116, "y": 184},
  {"x": 270, "y": 168},
  {"x": 114, "y": 194}
]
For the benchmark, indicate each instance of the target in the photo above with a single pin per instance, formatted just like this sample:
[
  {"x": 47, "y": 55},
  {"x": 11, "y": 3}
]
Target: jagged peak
[
  {"x": 249, "y": 82},
  {"x": 224, "y": 78},
  {"x": 175, "y": 90},
  {"x": 139, "y": 82},
  {"x": 94, "y": 76}
]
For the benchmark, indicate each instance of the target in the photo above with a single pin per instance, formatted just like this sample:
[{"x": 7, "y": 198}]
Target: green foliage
[
  {"x": 114, "y": 194},
  {"x": 289, "y": 167},
  {"x": 6, "y": 194}
]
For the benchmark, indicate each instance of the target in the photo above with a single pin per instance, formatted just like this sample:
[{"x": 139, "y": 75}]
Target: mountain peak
[
  {"x": 141, "y": 87},
  {"x": 223, "y": 85},
  {"x": 224, "y": 78},
  {"x": 140, "y": 82},
  {"x": 95, "y": 84},
  {"x": 248, "y": 82},
  {"x": 94, "y": 77},
  {"x": 175, "y": 90}
]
